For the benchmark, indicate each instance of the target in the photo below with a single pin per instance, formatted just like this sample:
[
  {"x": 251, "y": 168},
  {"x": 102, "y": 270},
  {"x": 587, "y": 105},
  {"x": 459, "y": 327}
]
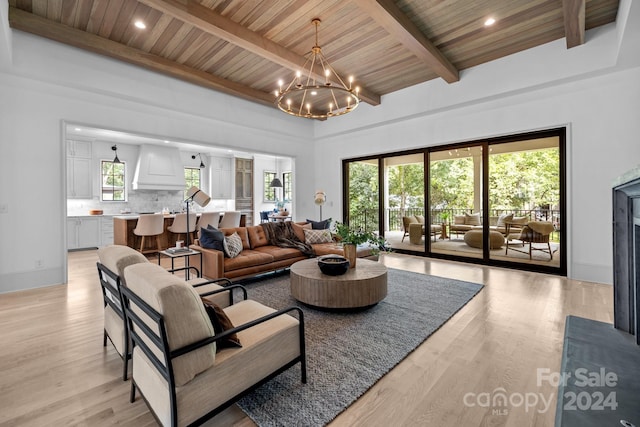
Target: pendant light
[
  {"x": 276, "y": 183},
  {"x": 115, "y": 149}
]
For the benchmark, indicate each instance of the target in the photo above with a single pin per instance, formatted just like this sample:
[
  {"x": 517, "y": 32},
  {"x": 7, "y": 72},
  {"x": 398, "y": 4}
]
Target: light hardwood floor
[{"x": 54, "y": 370}]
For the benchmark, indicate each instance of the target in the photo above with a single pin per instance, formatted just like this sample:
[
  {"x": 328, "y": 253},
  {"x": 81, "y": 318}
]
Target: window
[
  {"x": 192, "y": 178},
  {"x": 270, "y": 194},
  {"x": 287, "y": 191},
  {"x": 112, "y": 179}
]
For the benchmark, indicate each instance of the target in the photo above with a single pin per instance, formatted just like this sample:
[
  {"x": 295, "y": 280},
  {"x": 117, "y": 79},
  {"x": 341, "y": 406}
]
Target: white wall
[
  {"x": 528, "y": 91},
  {"x": 594, "y": 89},
  {"x": 49, "y": 83}
]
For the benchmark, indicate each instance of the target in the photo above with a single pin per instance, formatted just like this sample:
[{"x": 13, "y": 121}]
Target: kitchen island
[{"x": 123, "y": 226}]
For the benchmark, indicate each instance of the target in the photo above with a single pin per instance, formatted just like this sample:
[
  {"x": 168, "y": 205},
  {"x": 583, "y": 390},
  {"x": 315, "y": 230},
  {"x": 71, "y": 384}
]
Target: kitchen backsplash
[{"x": 144, "y": 201}]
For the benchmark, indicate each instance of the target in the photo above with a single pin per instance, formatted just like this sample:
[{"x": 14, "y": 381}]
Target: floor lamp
[
  {"x": 198, "y": 196},
  {"x": 320, "y": 198}
]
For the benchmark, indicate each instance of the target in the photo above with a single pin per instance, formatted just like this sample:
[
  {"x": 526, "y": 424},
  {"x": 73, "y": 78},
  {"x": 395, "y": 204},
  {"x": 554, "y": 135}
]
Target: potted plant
[
  {"x": 280, "y": 205},
  {"x": 351, "y": 237}
]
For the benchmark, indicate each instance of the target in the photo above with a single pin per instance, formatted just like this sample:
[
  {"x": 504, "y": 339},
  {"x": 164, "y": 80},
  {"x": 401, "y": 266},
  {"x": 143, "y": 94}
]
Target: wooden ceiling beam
[
  {"x": 31, "y": 23},
  {"x": 205, "y": 19},
  {"x": 574, "y": 21},
  {"x": 391, "y": 18}
]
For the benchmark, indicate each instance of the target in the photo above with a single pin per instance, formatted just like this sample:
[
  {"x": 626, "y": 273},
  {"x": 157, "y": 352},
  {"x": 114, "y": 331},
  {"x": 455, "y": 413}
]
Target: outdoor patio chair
[{"x": 535, "y": 232}]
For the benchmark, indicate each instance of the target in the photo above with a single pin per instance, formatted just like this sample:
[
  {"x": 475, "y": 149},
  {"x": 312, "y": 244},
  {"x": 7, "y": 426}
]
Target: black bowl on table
[{"x": 333, "y": 265}]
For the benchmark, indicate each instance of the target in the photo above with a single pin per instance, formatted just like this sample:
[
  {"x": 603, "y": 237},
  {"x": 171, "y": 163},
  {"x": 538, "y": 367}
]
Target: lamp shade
[
  {"x": 198, "y": 196},
  {"x": 276, "y": 183},
  {"x": 320, "y": 197}
]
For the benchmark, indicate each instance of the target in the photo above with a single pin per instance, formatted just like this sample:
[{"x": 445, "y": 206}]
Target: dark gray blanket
[{"x": 281, "y": 234}]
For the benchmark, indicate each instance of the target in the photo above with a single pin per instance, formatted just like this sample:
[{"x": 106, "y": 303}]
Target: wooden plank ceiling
[{"x": 242, "y": 47}]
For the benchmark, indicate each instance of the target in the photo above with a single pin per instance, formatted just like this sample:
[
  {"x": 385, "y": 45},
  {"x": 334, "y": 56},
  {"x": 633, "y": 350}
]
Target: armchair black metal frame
[
  {"x": 165, "y": 368},
  {"x": 111, "y": 285}
]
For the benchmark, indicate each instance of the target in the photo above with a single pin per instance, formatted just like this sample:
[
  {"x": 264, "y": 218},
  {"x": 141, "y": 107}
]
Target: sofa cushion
[
  {"x": 221, "y": 323},
  {"x": 458, "y": 219},
  {"x": 472, "y": 219},
  {"x": 242, "y": 232},
  {"x": 278, "y": 253},
  {"x": 317, "y": 236},
  {"x": 298, "y": 229},
  {"x": 320, "y": 225},
  {"x": 211, "y": 238},
  {"x": 247, "y": 258},
  {"x": 257, "y": 237},
  {"x": 185, "y": 317},
  {"x": 232, "y": 245}
]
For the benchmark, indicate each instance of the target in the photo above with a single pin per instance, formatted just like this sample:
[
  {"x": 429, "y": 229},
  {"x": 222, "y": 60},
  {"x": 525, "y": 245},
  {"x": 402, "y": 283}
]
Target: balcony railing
[{"x": 368, "y": 219}]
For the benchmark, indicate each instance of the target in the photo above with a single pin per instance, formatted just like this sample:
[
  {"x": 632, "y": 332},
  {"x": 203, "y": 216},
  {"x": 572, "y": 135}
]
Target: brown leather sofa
[{"x": 257, "y": 255}]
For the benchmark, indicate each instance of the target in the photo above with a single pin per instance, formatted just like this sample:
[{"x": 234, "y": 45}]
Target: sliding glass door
[
  {"x": 455, "y": 188},
  {"x": 498, "y": 201}
]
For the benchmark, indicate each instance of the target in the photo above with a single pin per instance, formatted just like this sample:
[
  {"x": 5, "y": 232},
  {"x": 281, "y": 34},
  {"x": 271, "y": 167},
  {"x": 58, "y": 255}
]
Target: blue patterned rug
[{"x": 349, "y": 352}]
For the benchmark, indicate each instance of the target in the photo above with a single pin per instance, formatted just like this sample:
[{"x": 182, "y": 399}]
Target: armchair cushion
[
  {"x": 458, "y": 219},
  {"x": 504, "y": 218},
  {"x": 185, "y": 316},
  {"x": 117, "y": 257},
  {"x": 221, "y": 323}
]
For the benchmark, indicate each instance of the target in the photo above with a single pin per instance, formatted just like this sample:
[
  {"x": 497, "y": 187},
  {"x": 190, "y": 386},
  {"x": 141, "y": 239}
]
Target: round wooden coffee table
[{"x": 360, "y": 287}]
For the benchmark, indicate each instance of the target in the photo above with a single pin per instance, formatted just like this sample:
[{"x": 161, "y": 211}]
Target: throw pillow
[
  {"x": 458, "y": 219},
  {"x": 220, "y": 322},
  {"x": 420, "y": 219},
  {"x": 298, "y": 230},
  {"x": 319, "y": 225},
  {"x": 211, "y": 238},
  {"x": 317, "y": 236},
  {"x": 473, "y": 219},
  {"x": 504, "y": 218},
  {"x": 232, "y": 245}
]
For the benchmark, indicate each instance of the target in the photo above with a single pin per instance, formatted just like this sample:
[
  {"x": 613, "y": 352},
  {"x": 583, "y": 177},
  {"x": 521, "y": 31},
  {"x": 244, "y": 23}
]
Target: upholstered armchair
[
  {"x": 113, "y": 260},
  {"x": 179, "y": 366}
]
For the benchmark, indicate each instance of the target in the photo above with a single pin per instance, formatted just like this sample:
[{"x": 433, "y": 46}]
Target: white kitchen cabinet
[
  {"x": 81, "y": 149},
  {"x": 221, "y": 173},
  {"x": 79, "y": 181},
  {"x": 83, "y": 232},
  {"x": 106, "y": 230},
  {"x": 79, "y": 178}
]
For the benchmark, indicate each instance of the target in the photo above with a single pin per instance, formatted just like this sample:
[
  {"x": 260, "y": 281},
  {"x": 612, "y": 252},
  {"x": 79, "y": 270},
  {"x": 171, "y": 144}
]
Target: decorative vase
[{"x": 350, "y": 252}]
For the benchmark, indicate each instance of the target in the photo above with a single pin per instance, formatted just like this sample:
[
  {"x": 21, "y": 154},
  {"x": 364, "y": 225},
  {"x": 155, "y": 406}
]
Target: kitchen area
[{"x": 154, "y": 182}]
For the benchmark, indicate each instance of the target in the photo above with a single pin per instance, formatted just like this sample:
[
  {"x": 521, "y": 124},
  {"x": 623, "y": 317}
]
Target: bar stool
[
  {"x": 149, "y": 225},
  {"x": 206, "y": 219},
  {"x": 179, "y": 225},
  {"x": 230, "y": 219}
]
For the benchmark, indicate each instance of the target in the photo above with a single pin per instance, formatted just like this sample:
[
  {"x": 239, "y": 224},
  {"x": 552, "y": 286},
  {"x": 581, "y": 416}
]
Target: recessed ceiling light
[
  {"x": 489, "y": 22},
  {"x": 140, "y": 24},
  {"x": 78, "y": 129},
  {"x": 166, "y": 142}
]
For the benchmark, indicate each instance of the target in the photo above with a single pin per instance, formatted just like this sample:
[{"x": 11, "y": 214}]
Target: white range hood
[{"x": 159, "y": 168}]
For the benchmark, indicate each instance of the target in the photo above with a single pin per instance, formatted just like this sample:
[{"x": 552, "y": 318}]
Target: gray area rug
[{"x": 349, "y": 352}]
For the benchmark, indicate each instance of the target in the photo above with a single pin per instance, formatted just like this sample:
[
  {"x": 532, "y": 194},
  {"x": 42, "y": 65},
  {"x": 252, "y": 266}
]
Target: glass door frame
[{"x": 485, "y": 143}]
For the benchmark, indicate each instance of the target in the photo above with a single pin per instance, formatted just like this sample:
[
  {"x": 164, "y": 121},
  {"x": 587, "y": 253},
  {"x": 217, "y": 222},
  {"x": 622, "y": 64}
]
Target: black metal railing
[{"x": 368, "y": 219}]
